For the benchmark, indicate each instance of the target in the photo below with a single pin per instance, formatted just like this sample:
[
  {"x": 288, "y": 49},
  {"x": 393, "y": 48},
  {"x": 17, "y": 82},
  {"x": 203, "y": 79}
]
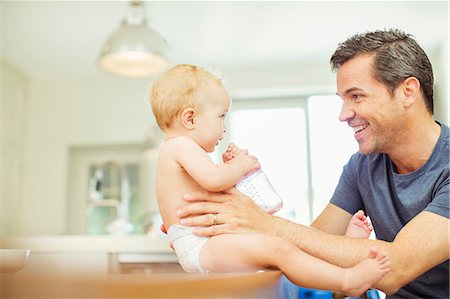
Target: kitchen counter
[
  {"x": 157, "y": 243},
  {"x": 119, "y": 267},
  {"x": 170, "y": 285},
  {"x": 96, "y": 254}
]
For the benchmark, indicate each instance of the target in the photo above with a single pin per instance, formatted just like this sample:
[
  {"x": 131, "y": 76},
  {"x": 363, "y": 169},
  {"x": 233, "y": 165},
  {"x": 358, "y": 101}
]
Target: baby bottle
[{"x": 256, "y": 185}]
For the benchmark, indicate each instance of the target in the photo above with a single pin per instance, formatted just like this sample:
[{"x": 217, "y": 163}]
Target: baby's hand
[
  {"x": 249, "y": 163},
  {"x": 231, "y": 152}
]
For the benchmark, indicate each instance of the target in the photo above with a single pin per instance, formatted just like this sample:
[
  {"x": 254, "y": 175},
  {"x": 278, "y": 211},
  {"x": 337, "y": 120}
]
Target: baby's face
[{"x": 210, "y": 121}]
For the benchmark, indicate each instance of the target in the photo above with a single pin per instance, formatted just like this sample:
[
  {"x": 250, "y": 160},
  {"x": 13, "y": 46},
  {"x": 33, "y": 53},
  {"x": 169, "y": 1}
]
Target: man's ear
[
  {"x": 411, "y": 91},
  {"x": 188, "y": 118}
]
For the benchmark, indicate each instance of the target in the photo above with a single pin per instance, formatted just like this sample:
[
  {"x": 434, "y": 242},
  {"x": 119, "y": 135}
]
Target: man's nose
[{"x": 347, "y": 112}]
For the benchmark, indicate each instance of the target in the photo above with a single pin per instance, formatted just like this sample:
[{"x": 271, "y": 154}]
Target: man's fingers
[
  {"x": 163, "y": 228},
  {"x": 213, "y": 230},
  {"x": 202, "y": 220},
  {"x": 199, "y": 208},
  {"x": 232, "y": 190},
  {"x": 204, "y": 196}
]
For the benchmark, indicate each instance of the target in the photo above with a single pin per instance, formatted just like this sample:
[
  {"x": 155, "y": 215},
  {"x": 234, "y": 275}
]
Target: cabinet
[
  {"x": 140, "y": 168},
  {"x": 143, "y": 263},
  {"x": 70, "y": 263},
  {"x": 66, "y": 263}
]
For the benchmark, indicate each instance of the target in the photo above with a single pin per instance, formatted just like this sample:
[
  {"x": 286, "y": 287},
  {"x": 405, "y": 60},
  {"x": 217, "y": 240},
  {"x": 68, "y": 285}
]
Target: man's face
[{"x": 368, "y": 107}]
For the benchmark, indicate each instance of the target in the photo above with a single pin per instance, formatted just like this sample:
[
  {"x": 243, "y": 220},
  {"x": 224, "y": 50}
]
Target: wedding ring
[{"x": 214, "y": 219}]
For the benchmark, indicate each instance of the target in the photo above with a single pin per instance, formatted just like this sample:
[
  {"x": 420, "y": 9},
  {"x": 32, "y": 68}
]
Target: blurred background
[{"x": 79, "y": 144}]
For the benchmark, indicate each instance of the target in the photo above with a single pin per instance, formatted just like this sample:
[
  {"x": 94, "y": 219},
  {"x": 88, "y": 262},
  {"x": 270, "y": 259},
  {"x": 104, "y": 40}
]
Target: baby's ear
[{"x": 188, "y": 118}]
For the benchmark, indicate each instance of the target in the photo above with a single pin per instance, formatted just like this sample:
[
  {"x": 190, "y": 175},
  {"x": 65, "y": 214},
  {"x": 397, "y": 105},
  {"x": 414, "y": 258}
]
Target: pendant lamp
[{"x": 134, "y": 49}]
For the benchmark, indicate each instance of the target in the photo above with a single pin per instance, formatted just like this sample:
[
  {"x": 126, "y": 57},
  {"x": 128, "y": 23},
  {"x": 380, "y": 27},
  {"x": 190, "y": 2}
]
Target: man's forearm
[{"x": 338, "y": 250}]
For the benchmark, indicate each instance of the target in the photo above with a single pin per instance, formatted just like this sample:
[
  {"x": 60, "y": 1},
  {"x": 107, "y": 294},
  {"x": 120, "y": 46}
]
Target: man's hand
[
  {"x": 234, "y": 213},
  {"x": 164, "y": 230}
]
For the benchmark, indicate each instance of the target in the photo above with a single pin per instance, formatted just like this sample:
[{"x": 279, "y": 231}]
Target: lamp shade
[{"x": 134, "y": 50}]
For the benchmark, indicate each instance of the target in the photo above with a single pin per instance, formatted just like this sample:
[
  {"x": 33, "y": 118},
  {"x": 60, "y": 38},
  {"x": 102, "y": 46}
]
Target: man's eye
[{"x": 356, "y": 96}]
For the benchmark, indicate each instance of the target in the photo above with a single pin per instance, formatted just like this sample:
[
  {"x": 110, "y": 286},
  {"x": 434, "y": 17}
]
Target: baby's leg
[
  {"x": 359, "y": 226},
  {"x": 308, "y": 271},
  {"x": 366, "y": 273},
  {"x": 237, "y": 252},
  {"x": 244, "y": 252}
]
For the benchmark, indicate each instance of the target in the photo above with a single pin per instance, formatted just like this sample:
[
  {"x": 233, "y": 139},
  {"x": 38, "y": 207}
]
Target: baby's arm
[
  {"x": 359, "y": 226},
  {"x": 211, "y": 176}
]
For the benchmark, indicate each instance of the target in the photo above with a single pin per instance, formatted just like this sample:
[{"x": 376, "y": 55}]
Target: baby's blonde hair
[{"x": 177, "y": 89}]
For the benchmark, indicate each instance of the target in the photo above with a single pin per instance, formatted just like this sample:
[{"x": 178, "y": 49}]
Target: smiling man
[{"x": 399, "y": 177}]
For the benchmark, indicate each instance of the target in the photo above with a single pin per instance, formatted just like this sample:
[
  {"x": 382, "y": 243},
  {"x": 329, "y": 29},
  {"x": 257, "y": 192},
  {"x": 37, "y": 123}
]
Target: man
[{"x": 399, "y": 177}]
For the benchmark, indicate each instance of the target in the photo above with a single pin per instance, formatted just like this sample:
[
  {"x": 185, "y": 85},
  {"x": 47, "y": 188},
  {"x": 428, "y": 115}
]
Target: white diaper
[{"x": 187, "y": 247}]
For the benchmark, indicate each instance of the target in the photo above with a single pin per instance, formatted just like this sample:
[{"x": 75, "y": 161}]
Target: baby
[{"x": 190, "y": 105}]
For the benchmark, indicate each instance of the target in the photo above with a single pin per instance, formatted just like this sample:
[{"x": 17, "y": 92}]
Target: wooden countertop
[{"x": 168, "y": 285}]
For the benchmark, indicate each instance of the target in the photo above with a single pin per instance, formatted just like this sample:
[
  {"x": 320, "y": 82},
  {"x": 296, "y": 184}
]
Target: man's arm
[
  {"x": 332, "y": 220},
  {"x": 423, "y": 240}
]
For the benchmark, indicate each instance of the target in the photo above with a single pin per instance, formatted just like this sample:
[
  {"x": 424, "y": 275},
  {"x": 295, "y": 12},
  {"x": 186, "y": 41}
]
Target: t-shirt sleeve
[
  {"x": 440, "y": 202},
  {"x": 346, "y": 195}
]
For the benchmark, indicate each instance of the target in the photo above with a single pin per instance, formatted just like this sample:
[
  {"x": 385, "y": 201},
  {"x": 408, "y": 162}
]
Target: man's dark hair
[{"x": 397, "y": 57}]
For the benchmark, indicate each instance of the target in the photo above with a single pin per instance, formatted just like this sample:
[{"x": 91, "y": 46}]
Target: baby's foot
[
  {"x": 359, "y": 226},
  {"x": 362, "y": 276}
]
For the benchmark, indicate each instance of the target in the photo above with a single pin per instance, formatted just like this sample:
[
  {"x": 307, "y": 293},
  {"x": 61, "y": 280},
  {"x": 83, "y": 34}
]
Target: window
[
  {"x": 277, "y": 137},
  {"x": 332, "y": 144},
  {"x": 301, "y": 145}
]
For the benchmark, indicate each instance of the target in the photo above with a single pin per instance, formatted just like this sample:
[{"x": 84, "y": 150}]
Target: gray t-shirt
[{"x": 369, "y": 183}]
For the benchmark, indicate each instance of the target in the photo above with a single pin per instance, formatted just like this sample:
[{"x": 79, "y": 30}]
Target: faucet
[{"x": 121, "y": 203}]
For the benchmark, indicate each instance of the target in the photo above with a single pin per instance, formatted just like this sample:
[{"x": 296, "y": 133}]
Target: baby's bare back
[{"x": 171, "y": 184}]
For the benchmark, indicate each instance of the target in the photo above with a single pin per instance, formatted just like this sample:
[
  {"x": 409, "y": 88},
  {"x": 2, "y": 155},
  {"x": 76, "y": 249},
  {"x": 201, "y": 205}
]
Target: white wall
[
  {"x": 13, "y": 86},
  {"x": 64, "y": 113}
]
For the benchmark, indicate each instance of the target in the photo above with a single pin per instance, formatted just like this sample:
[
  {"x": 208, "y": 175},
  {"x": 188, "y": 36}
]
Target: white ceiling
[{"x": 59, "y": 38}]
